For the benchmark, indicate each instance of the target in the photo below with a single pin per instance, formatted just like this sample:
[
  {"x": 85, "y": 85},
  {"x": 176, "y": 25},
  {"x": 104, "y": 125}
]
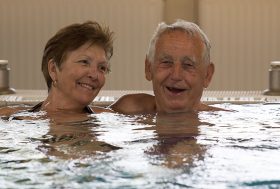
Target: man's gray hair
[{"x": 182, "y": 25}]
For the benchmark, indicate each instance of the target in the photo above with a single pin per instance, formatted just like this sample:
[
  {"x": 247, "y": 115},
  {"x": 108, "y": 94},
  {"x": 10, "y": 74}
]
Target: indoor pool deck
[{"x": 106, "y": 97}]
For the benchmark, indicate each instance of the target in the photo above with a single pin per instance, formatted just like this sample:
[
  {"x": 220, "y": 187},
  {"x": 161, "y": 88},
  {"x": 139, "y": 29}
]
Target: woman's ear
[
  {"x": 148, "y": 71},
  {"x": 209, "y": 74},
  {"x": 52, "y": 68}
]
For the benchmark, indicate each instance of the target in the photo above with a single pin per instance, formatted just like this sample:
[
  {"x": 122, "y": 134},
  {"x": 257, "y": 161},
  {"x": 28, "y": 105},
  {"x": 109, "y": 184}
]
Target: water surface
[{"x": 224, "y": 149}]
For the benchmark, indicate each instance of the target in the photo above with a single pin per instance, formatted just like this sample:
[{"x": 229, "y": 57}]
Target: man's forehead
[
  {"x": 179, "y": 31},
  {"x": 167, "y": 42},
  {"x": 179, "y": 38},
  {"x": 163, "y": 55}
]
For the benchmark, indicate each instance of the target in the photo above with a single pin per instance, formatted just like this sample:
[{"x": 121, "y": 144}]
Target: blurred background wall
[{"x": 245, "y": 36}]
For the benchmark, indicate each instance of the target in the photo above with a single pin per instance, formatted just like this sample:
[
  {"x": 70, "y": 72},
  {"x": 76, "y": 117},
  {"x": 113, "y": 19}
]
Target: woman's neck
[{"x": 58, "y": 103}]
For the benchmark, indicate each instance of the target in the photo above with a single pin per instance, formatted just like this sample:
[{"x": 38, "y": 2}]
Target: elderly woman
[{"x": 75, "y": 63}]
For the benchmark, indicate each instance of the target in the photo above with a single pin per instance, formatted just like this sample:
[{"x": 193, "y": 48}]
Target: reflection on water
[
  {"x": 72, "y": 140},
  {"x": 236, "y": 149},
  {"x": 176, "y": 140}
]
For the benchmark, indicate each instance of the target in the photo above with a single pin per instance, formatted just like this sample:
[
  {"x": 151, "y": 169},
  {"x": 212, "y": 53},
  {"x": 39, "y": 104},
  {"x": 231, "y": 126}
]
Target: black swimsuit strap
[
  {"x": 88, "y": 110},
  {"x": 38, "y": 106}
]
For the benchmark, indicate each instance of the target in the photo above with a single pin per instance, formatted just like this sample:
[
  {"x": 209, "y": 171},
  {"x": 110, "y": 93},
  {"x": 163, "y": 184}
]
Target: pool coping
[{"x": 106, "y": 97}]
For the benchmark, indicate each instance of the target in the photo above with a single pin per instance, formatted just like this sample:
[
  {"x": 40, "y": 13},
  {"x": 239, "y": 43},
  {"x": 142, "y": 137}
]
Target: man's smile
[{"x": 175, "y": 90}]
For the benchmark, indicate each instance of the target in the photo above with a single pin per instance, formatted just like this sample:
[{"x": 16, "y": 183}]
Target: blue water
[{"x": 225, "y": 149}]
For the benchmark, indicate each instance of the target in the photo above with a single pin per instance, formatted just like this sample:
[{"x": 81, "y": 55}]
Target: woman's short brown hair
[{"x": 71, "y": 38}]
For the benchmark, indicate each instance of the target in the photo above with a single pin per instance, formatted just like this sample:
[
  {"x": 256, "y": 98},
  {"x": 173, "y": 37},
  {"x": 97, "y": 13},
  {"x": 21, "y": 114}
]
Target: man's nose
[{"x": 177, "y": 72}]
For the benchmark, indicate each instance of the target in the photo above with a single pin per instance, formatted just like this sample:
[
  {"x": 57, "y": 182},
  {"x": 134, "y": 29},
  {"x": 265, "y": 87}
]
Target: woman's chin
[{"x": 86, "y": 100}]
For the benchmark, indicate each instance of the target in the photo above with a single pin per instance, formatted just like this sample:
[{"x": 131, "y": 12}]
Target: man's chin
[{"x": 178, "y": 109}]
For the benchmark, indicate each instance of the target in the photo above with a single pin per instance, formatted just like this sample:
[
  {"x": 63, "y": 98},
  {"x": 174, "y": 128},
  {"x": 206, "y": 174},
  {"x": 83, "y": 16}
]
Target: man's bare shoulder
[
  {"x": 134, "y": 103},
  {"x": 205, "y": 107},
  {"x": 99, "y": 109}
]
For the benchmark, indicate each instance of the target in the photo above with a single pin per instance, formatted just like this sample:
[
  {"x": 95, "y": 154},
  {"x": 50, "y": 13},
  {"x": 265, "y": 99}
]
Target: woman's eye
[
  {"x": 84, "y": 61},
  {"x": 103, "y": 68}
]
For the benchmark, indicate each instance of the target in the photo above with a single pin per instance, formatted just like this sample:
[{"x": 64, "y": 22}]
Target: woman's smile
[{"x": 86, "y": 85}]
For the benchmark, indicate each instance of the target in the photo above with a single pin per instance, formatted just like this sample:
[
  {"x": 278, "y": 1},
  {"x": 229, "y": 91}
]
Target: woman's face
[{"x": 81, "y": 76}]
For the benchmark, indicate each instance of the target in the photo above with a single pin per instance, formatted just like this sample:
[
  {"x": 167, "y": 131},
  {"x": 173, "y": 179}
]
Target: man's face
[{"x": 178, "y": 72}]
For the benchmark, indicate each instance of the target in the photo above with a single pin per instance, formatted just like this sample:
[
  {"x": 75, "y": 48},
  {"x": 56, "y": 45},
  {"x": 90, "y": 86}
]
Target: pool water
[{"x": 225, "y": 149}]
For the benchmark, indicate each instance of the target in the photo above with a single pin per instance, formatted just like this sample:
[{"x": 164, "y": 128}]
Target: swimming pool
[
  {"x": 236, "y": 149},
  {"x": 106, "y": 97}
]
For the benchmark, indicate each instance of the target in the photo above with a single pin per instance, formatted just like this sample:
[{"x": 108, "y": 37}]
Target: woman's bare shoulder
[{"x": 10, "y": 110}]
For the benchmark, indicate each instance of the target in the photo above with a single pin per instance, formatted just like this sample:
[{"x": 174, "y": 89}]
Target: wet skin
[
  {"x": 178, "y": 72},
  {"x": 79, "y": 79}
]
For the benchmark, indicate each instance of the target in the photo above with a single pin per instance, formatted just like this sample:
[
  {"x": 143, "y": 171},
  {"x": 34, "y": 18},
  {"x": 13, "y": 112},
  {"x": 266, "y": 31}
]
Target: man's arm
[{"x": 134, "y": 104}]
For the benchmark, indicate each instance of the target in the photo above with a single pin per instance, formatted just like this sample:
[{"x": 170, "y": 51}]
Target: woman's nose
[{"x": 93, "y": 72}]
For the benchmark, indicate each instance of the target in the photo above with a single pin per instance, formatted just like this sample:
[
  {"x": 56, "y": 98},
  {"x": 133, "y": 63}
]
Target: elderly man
[{"x": 178, "y": 64}]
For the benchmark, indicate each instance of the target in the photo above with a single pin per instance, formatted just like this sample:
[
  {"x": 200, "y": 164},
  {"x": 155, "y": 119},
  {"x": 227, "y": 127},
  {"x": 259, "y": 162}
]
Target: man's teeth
[{"x": 177, "y": 90}]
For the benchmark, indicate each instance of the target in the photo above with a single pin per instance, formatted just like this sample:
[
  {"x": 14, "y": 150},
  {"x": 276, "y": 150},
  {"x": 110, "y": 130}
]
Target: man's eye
[
  {"x": 188, "y": 65},
  {"x": 166, "y": 62}
]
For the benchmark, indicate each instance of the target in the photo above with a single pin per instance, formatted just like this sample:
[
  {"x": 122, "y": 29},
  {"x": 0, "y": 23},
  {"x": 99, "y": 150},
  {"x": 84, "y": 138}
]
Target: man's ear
[
  {"x": 148, "y": 69},
  {"x": 52, "y": 68},
  {"x": 209, "y": 73}
]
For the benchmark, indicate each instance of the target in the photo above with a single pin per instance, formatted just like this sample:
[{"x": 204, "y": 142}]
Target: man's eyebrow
[
  {"x": 186, "y": 58},
  {"x": 163, "y": 55}
]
